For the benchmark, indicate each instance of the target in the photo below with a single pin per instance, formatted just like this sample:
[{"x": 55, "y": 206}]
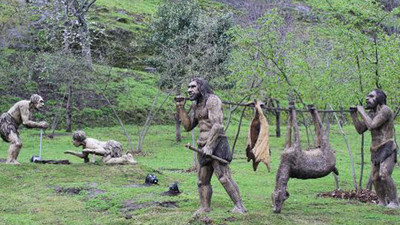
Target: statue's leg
[
  {"x": 317, "y": 126},
  {"x": 379, "y": 188},
  {"x": 205, "y": 190},
  {"x": 129, "y": 158},
  {"x": 14, "y": 149},
  {"x": 385, "y": 174},
  {"x": 124, "y": 159},
  {"x": 281, "y": 181},
  {"x": 288, "y": 142},
  {"x": 223, "y": 173},
  {"x": 296, "y": 144}
]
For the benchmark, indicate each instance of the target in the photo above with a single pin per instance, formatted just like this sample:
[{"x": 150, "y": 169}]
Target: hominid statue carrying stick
[{"x": 206, "y": 111}]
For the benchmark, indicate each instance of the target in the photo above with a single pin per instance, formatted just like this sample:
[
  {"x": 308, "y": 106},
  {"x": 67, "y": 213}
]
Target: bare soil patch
[
  {"x": 135, "y": 185},
  {"x": 206, "y": 220},
  {"x": 91, "y": 192},
  {"x": 178, "y": 170},
  {"x": 130, "y": 206},
  {"x": 171, "y": 193}
]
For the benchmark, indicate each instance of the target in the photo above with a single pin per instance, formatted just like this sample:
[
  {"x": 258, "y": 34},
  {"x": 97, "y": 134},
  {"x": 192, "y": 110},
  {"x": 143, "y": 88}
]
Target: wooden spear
[{"x": 211, "y": 156}]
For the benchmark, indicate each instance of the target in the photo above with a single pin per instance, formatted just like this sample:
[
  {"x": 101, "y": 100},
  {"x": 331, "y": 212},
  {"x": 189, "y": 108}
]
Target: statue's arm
[
  {"x": 78, "y": 154},
  {"x": 96, "y": 151},
  {"x": 382, "y": 116},
  {"x": 359, "y": 125},
  {"x": 188, "y": 120},
  {"x": 214, "y": 106},
  {"x": 24, "y": 110}
]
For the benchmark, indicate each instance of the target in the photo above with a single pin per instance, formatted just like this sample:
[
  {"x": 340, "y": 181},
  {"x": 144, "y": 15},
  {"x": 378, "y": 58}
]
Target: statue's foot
[
  {"x": 239, "y": 210},
  {"x": 381, "y": 203},
  {"x": 13, "y": 162},
  {"x": 130, "y": 159},
  {"x": 393, "y": 205},
  {"x": 201, "y": 211}
]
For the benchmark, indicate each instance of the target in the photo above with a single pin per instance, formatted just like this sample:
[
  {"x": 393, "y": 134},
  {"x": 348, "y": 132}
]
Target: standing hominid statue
[
  {"x": 206, "y": 112},
  {"x": 379, "y": 121},
  {"x": 20, "y": 113},
  {"x": 111, "y": 151}
]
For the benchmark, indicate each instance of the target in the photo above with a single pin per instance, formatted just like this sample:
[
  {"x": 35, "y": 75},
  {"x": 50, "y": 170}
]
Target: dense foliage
[
  {"x": 321, "y": 52},
  {"x": 189, "y": 42}
]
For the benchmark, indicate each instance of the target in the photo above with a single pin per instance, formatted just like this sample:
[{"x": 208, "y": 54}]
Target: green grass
[
  {"x": 28, "y": 196},
  {"x": 135, "y": 12},
  {"x": 135, "y": 6}
]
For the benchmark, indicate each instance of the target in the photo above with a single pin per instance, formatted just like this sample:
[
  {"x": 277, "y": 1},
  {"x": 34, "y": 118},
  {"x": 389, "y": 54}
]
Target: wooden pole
[
  {"x": 362, "y": 160},
  {"x": 278, "y": 119}
]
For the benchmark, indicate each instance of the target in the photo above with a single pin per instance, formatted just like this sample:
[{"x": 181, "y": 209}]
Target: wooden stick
[
  {"x": 251, "y": 104},
  {"x": 348, "y": 150},
  {"x": 211, "y": 156},
  {"x": 238, "y": 131}
]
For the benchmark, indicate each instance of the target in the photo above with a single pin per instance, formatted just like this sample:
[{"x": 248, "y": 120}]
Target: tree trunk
[
  {"x": 178, "y": 135},
  {"x": 66, "y": 29},
  {"x": 178, "y": 127},
  {"x": 85, "y": 41},
  {"x": 69, "y": 109}
]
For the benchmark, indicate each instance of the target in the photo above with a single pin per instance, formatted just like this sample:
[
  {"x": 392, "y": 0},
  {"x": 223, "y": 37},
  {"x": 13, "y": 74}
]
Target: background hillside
[{"x": 311, "y": 51}]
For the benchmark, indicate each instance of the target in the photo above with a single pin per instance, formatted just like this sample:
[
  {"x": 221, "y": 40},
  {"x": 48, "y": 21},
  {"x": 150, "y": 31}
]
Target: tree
[{"x": 189, "y": 42}]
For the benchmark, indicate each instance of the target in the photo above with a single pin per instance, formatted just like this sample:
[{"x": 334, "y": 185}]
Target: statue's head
[
  {"x": 78, "y": 138},
  {"x": 199, "y": 88},
  {"x": 375, "y": 98},
  {"x": 37, "y": 101},
  {"x": 278, "y": 197}
]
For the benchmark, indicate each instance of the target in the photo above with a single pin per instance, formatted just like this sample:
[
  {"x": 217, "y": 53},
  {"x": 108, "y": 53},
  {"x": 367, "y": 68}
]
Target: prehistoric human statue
[
  {"x": 111, "y": 151},
  {"x": 296, "y": 163},
  {"x": 206, "y": 112},
  {"x": 20, "y": 113},
  {"x": 379, "y": 120}
]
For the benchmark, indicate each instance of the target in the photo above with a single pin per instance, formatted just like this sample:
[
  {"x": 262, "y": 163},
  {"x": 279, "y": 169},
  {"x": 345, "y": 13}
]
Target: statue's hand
[
  {"x": 360, "y": 108},
  {"x": 44, "y": 125},
  {"x": 87, "y": 150},
  {"x": 180, "y": 100},
  {"x": 353, "y": 109},
  {"x": 206, "y": 150}
]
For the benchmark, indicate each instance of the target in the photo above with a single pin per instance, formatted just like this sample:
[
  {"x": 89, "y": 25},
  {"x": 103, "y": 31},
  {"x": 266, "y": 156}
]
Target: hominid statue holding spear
[{"x": 206, "y": 111}]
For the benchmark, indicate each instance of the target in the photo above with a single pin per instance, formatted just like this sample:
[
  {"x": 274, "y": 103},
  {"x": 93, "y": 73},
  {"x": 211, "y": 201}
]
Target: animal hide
[{"x": 258, "y": 139}]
